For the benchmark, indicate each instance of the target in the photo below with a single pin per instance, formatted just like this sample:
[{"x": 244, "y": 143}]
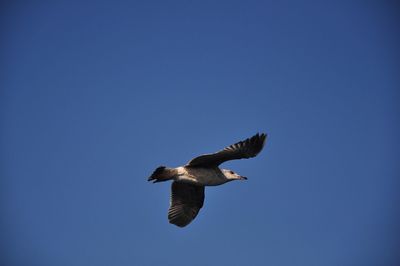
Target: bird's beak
[{"x": 243, "y": 178}]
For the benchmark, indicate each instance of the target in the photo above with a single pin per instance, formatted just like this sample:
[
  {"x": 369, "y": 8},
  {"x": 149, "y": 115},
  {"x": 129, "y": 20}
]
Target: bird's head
[{"x": 230, "y": 175}]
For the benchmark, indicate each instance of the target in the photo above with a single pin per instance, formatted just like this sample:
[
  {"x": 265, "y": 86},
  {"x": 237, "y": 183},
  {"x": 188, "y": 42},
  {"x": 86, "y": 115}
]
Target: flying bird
[{"x": 187, "y": 190}]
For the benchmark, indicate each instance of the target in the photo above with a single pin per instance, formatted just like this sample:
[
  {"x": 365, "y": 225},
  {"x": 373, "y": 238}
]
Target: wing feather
[
  {"x": 186, "y": 202},
  {"x": 245, "y": 149}
]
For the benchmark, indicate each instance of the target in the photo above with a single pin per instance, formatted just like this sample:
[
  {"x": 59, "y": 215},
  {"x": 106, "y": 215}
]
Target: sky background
[{"x": 94, "y": 96}]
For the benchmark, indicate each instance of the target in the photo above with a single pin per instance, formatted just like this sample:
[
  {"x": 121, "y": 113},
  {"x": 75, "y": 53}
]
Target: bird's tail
[{"x": 161, "y": 174}]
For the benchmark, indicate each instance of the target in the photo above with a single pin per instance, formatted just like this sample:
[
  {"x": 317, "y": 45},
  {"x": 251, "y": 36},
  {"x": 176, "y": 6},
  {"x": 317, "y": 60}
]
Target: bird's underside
[{"x": 187, "y": 189}]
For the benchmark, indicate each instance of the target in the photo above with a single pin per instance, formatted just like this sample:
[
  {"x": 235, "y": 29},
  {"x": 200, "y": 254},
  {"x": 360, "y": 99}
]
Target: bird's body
[
  {"x": 187, "y": 195},
  {"x": 203, "y": 176}
]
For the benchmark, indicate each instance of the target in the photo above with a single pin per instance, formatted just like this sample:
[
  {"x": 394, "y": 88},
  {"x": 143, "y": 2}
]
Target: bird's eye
[{"x": 231, "y": 172}]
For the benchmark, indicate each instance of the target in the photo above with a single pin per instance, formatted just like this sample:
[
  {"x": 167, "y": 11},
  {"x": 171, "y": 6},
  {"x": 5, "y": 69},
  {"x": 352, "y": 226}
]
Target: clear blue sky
[{"x": 95, "y": 96}]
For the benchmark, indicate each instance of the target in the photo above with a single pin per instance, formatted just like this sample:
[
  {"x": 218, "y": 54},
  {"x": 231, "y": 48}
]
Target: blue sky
[{"x": 94, "y": 96}]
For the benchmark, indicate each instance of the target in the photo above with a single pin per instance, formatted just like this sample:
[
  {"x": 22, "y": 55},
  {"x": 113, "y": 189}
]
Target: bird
[{"x": 188, "y": 181}]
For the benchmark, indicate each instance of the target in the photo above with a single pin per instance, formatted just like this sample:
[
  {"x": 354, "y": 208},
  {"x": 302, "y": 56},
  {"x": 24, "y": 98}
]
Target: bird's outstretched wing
[
  {"x": 242, "y": 150},
  {"x": 186, "y": 202}
]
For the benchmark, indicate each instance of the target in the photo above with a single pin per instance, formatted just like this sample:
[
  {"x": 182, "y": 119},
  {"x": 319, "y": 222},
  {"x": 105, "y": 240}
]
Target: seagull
[{"x": 187, "y": 189}]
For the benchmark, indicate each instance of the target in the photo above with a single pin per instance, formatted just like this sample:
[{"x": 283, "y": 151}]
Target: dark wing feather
[
  {"x": 186, "y": 202},
  {"x": 242, "y": 150}
]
